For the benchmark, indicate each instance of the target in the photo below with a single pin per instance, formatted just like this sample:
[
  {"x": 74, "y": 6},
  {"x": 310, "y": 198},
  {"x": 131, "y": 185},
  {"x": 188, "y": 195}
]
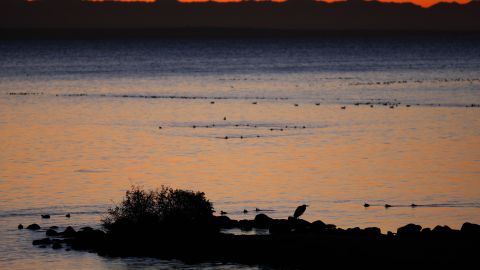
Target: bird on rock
[{"x": 299, "y": 211}]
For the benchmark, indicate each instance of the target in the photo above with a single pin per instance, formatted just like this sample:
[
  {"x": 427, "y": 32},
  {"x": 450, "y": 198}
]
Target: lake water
[{"x": 80, "y": 123}]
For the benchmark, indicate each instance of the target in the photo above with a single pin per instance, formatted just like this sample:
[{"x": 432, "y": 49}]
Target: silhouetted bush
[{"x": 160, "y": 211}]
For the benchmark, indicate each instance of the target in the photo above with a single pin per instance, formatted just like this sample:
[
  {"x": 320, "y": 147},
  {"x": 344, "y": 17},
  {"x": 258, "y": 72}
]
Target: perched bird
[
  {"x": 387, "y": 206},
  {"x": 300, "y": 210},
  {"x": 67, "y": 215},
  {"x": 245, "y": 211},
  {"x": 366, "y": 205},
  {"x": 45, "y": 216}
]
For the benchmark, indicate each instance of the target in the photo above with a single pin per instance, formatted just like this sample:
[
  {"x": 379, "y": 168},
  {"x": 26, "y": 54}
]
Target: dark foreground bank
[
  {"x": 292, "y": 243},
  {"x": 179, "y": 224}
]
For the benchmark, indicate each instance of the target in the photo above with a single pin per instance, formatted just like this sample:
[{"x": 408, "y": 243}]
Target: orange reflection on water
[{"x": 77, "y": 152}]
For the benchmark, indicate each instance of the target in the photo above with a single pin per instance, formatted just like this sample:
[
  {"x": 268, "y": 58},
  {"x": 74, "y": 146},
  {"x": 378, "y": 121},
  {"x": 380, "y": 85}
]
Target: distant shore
[{"x": 199, "y": 33}]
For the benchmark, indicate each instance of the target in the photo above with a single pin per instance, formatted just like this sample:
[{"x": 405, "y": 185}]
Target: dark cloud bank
[{"x": 168, "y": 16}]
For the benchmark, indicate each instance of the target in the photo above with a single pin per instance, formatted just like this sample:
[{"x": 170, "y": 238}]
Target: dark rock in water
[
  {"x": 44, "y": 241},
  {"x": 223, "y": 222},
  {"x": 56, "y": 245},
  {"x": 409, "y": 230},
  {"x": 470, "y": 229},
  {"x": 262, "y": 221},
  {"x": 69, "y": 232},
  {"x": 33, "y": 226},
  {"x": 20, "y": 226},
  {"x": 68, "y": 215},
  {"x": 300, "y": 225},
  {"x": 318, "y": 226},
  {"x": 46, "y": 216},
  {"x": 330, "y": 227},
  {"x": 373, "y": 231},
  {"x": 426, "y": 232},
  {"x": 444, "y": 231},
  {"x": 280, "y": 226},
  {"x": 86, "y": 229},
  {"x": 51, "y": 232},
  {"x": 245, "y": 224}
]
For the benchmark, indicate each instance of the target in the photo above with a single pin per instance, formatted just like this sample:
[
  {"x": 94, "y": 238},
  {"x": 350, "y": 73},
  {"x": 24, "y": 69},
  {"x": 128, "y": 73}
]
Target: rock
[
  {"x": 223, "y": 222},
  {"x": 33, "y": 226},
  {"x": 20, "y": 226},
  {"x": 68, "y": 215},
  {"x": 409, "y": 230},
  {"x": 245, "y": 225},
  {"x": 470, "y": 229},
  {"x": 86, "y": 229},
  {"x": 300, "y": 225},
  {"x": 262, "y": 221},
  {"x": 280, "y": 226},
  {"x": 45, "y": 216},
  {"x": 318, "y": 226},
  {"x": 69, "y": 232},
  {"x": 330, "y": 227},
  {"x": 44, "y": 241},
  {"x": 51, "y": 232},
  {"x": 426, "y": 232},
  {"x": 56, "y": 245},
  {"x": 373, "y": 231},
  {"x": 443, "y": 231}
]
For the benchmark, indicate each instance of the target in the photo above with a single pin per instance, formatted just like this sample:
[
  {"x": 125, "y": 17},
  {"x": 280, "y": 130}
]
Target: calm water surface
[{"x": 79, "y": 124}]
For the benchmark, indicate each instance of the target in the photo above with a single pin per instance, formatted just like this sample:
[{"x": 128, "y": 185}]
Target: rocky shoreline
[{"x": 290, "y": 244}]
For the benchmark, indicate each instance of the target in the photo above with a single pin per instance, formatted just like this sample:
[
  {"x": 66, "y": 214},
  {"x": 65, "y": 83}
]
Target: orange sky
[{"x": 424, "y": 3}]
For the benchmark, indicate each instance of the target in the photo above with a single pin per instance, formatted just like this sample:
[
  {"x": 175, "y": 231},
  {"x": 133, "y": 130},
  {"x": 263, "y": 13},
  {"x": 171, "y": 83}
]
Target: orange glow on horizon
[{"x": 423, "y": 3}]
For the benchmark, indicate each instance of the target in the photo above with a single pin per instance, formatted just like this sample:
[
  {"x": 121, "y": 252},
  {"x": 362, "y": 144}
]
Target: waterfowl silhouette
[
  {"x": 299, "y": 211},
  {"x": 224, "y": 118},
  {"x": 413, "y": 205},
  {"x": 387, "y": 206},
  {"x": 45, "y": 216},
  {"x": 343, "y": 107},
  {"x": 257, "y": 210},
  {"x": 366, "y": 205},
  {"x": 245, "y": 211},
  {"x": 67, "y": 215}
]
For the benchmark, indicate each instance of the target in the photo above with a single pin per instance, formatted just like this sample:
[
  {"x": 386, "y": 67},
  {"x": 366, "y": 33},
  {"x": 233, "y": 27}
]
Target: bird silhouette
[
  {"x": 387, "y": 206},
  {"x": 299, "y": 211},
  {"x": 245, "y": 211},
  {"x": 366, "y": 205}
]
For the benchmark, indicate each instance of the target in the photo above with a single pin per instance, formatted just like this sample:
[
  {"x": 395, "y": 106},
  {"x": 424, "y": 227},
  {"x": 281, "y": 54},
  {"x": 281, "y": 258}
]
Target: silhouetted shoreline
[{"x": 291, "y": 244}]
